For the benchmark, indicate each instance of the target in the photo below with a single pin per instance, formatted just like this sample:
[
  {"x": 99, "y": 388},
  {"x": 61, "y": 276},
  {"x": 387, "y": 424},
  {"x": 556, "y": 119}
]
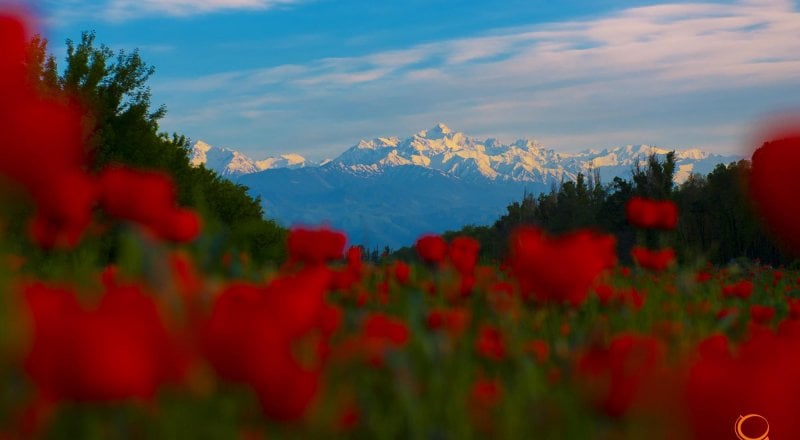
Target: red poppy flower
[
  {"x": 615, "y": 376},
  {"x": 794, "y": 308},
  {"x": 187, "y": 280},
  {"x": 14, "y": 36},
  {"x": 432, "y": 249},
  {"x": 402, "y": 272},
  {"x": 147, "y": 198},
  {"x": 349, "y": 416},
  {"x": 486, "y": 393},
  {"x": 777, "y": 276},
  {"x": 774, "y": 188},
  {"x": 484, "y": 396},
  {"x": 43, "y": 148},
  {"x": 251, "y": 334},
  {"x": 179, "y": 226},
  {"x": 454, "y": 321},
  {"x": 379, "y": 333},
  {"x": 703, "y": 276},
  {"x": 742, "y": 289},
  {"x": 652, "y": 214},
  {"x": 463, "y": 253},
  {"x": 120, "y": 350},
  {"x": 351, "y": 274},
  {"x": 315, "y": 246},
  {"x": 380, "y": 326},
  {"x": 761, "y": 315},
  {"x": 560, "y": 269},
  {"x": 286, "y": 389},
  {"x": 539, "y": 348},
  {"x": 605, "y": 293},
  {"x": 354, "y": 257},
  {"x": 632, "y": 297},
  {"x": 727, "y": 312},
  {"x": 490, "y": 343},
  {"x": 655, "y": 260}
]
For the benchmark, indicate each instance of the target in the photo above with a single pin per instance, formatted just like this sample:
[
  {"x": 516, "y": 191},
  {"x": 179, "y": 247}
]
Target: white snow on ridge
[
  {"x": 453, "y": 152},
  {"x": 443, "y": 149},
  {"x": 228, "y": 162},
  {"x": 199, "y": 153}
]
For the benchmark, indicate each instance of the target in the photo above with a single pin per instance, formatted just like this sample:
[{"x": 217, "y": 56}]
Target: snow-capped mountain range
[
  {"x": 387, "y": 191},
  {"x": 459, "y": 155},
  {"x": 228, "y": 162}
]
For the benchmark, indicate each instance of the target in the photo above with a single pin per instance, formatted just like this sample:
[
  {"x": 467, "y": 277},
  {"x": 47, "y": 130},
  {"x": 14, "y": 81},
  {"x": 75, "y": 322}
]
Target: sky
[{"x": 268, "y": 77}]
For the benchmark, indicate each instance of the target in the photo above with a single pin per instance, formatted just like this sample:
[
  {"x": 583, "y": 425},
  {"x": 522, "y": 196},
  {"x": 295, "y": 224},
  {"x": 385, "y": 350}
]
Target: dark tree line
[{"x": 717, "y": 222}]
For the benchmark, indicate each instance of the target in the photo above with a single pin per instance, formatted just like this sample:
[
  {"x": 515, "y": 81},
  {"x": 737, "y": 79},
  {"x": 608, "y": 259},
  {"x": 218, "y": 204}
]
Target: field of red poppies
[{"x": 559, "y": 340}]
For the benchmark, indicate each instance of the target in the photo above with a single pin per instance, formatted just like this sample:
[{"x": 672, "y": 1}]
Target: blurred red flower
[
  {"x": 761, "y": 379},
  {"x": 381, "y": 332},
  {"x": 794, "y": 308},
  {"x": 351, "y": 274},
  {"x": 383, "y": 327},
  {"x": 148, "y": 199},
  {"x": 43, "y": 145},
  {"x": 179, "y": 226},
  {"x": 463, "y": 253},
  {"x": 454, "y": 320},
  {"x": 774, "y": 188},
  {"x": 727, "y": 312},
  {"x": 348, "y": 417},
  {"x": 539, "y": 348},
  {"x": 615, "y": 376},
  {"x": 655, "y": 260},
  {"x": 14, "y": 36},
  {"x": 432, "y": 249},
  {"x": 761, "y": 315},
  {"x": 402, "y": 272},
  {"x": 605, "y": 293},
  {"x": 652, "y": 214},
  {"x": 315, "y": 246},
  {"x": 252, "y": 332},
  {"x": 490, "y": 343},
  {"x": 484, "y": 396},
  {"x": 560, "y": 269},
  {"x": 742, "y": 289},
  {"x": 486, "y": 393},
  {"x": 119, "y": 350},
  {"x": 703, "y": 276}
]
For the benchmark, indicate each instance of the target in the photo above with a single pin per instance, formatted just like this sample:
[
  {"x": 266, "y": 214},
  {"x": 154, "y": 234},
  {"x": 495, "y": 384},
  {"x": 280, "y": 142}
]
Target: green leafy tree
[
  {"x": 656, "y": 179},
  {"x": 122, "y": 127}
]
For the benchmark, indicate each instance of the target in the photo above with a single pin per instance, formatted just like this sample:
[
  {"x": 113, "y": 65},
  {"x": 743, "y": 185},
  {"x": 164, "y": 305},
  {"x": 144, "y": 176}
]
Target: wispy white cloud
[
  {"x": 63, "y": 11},
  {"x": 598, "y": 76},
  {"x": 126, "y": 9}
]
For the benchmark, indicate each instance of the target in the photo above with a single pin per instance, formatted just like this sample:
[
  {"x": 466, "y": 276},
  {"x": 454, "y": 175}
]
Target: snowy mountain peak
[
  {"x": 692, "y": 153},
  {"x": 377, "y": 143},
  {"x": 439, "y": 131},
  {"x": 294, "y": 159},
  {"x": 228, "y": 162},
  {"x": 201, "y": 147},
  {"x": 526, "y": 144},
  {"x": 199, "y": 153}
]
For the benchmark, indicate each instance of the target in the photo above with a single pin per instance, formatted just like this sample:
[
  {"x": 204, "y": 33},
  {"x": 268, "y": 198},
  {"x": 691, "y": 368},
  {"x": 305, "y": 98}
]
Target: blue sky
[{"x": 315, "y": 76}]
